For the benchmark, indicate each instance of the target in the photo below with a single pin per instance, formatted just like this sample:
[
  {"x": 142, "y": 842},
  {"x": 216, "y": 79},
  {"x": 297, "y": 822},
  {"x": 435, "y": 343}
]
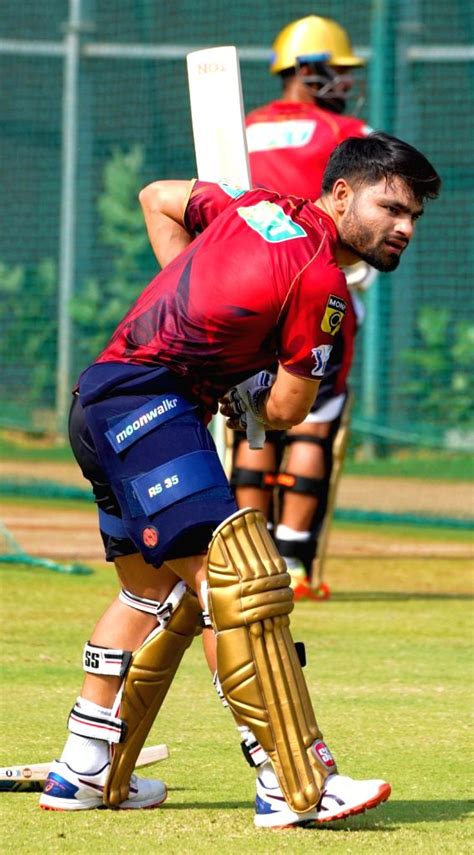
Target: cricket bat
[
  {"x": 30, "y": 778},
  {"x": 217, "y": 115},
  {"x": 220, "y": 145}
]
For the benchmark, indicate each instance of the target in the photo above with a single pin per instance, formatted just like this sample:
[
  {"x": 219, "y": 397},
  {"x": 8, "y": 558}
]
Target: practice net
[{"x": 108, "y": 93}]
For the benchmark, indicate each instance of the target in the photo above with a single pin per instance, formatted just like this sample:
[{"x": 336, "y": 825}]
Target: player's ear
[
  {"x": 305, "y": 70},
  {"x": 341, "y": 194}
]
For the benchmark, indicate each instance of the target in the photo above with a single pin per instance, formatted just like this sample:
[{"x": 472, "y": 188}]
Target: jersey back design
[{"x": 265, "y": 136}]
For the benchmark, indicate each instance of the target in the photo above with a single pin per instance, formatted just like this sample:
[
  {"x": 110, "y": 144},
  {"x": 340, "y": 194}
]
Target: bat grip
[{"x": 255, "y": 432}]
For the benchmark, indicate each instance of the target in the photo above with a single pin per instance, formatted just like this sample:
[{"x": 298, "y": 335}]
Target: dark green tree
[
  {"x": 28, "y": 332},
  {"x": 101, "y": 302},
  {"x": 28, "y": 297},
  {"x": 440, "y": 391}
]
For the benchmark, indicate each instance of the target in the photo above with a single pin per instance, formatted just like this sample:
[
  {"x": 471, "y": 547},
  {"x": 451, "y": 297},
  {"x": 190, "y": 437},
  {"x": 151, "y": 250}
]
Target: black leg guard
[{"x": 303, "y": 550}]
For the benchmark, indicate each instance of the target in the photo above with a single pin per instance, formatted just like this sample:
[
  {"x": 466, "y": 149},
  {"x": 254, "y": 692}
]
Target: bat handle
[{"x": 255, "y": 433}]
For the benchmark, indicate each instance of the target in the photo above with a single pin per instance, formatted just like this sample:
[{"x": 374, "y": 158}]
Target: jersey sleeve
[
  {"x": 206, "y": 201},
  {"x": 314, "y": 314}
]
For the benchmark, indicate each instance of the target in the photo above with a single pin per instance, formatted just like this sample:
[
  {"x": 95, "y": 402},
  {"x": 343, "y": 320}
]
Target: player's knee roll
[
  {"x": 247, "y": 602},
  {"x": 242, "y": 550}
]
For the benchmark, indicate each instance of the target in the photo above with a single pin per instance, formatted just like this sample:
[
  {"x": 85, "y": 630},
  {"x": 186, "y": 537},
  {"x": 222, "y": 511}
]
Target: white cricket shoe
[
  {"x": 65, "y": 789},
  {"x": 342, "y": 797},
  {"x": 272, "y": 811}
]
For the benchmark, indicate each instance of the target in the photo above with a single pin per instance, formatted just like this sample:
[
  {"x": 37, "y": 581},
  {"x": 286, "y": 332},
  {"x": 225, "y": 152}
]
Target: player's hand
[
  {"x": 246, "y": 398},
  {"x": 254, "y": 392},
  {"x": 243, "y": 406},
  {"x": 232, "y": 406},
  {"x": 238, "y": 418}
]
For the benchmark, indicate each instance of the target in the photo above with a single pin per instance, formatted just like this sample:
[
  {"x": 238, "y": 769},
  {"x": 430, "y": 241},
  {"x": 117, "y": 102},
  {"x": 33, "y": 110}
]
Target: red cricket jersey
[
  {"x": 290, "y": 143},
  {"x": 257, "y": 286},
  {"x": 289, "y": 146}
]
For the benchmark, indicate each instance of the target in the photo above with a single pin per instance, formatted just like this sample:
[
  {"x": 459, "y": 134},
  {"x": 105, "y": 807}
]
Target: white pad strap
[
  {"x": 252, "y": 750},
  {"x": 98, "y": 726},
  {"x": 105, "y": 660},
  {"x": 162, "y": 611},
  {"x": 166, "y": 609},
  {"x": 206, "y": 618},
  {"x": 142, "y": 604},
  {"x": 218, "y": 688}
]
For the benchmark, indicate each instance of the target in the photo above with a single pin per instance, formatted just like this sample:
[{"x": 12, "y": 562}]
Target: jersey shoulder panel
[
  {"x": 280, "y": 111},
  {"x": 351, "y": 126},
  {"x": 206, "y": 201},
  {"x": 260, "y": 114}
]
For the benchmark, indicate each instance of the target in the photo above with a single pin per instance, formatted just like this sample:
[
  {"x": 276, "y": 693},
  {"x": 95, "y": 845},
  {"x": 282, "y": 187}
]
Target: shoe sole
[
  {"x": 101, "y": 806},
  {"x": 304, "y": 823},
  {"x": 382, "y": 796},
  {"x": 260, "y": 822}
]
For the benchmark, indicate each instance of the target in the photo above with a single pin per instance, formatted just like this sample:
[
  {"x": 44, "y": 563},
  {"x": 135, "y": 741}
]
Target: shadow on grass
[
  {"x": 398, "y": 596},
  {"x": 432, "y": 810},
  {"x": 227, "y": 805},
  {"x": 387, "y": 818},
  {"x": 401, "y": 812}
]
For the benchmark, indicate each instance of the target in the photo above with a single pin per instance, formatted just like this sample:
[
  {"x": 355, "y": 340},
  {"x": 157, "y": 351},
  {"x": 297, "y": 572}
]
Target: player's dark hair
[
  {"x": 287, "y": 74},
  {"x": 366, "y": 160}
]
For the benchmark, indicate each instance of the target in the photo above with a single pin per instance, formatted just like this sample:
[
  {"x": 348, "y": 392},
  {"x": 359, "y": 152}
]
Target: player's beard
[{"x": 359, "y": 237}]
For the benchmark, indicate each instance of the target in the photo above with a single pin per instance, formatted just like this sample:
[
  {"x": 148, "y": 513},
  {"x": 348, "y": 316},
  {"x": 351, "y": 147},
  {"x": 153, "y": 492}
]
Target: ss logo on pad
[{"x": 91, "y": 660}]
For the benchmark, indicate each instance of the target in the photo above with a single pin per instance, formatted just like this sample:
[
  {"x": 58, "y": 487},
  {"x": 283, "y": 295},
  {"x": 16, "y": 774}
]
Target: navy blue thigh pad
[{"x": 169, "y": 482}]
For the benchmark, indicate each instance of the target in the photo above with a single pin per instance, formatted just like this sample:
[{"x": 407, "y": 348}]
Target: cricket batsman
[{"x": 249, "y": 279}]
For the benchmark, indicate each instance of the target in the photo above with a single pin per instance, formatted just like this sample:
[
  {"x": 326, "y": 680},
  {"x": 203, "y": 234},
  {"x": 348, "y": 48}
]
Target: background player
[{"x": 290, "y": 141}]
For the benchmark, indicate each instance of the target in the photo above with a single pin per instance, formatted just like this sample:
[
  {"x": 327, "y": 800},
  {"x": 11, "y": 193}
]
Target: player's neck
[
  {"x": 297, "y": 93},
  {"x": 343, "y": 255}
]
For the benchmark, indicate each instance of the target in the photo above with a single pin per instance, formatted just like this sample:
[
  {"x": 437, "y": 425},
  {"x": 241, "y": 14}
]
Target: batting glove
[{"x": 247, "y": 401}]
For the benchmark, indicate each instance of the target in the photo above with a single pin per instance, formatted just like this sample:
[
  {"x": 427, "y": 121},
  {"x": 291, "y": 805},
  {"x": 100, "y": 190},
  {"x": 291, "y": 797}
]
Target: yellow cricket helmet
[{"x": 313, "y": 39}]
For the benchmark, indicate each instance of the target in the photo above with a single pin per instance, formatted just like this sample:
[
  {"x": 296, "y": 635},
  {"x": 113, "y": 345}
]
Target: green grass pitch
[{"x": 390, "y": 672}]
